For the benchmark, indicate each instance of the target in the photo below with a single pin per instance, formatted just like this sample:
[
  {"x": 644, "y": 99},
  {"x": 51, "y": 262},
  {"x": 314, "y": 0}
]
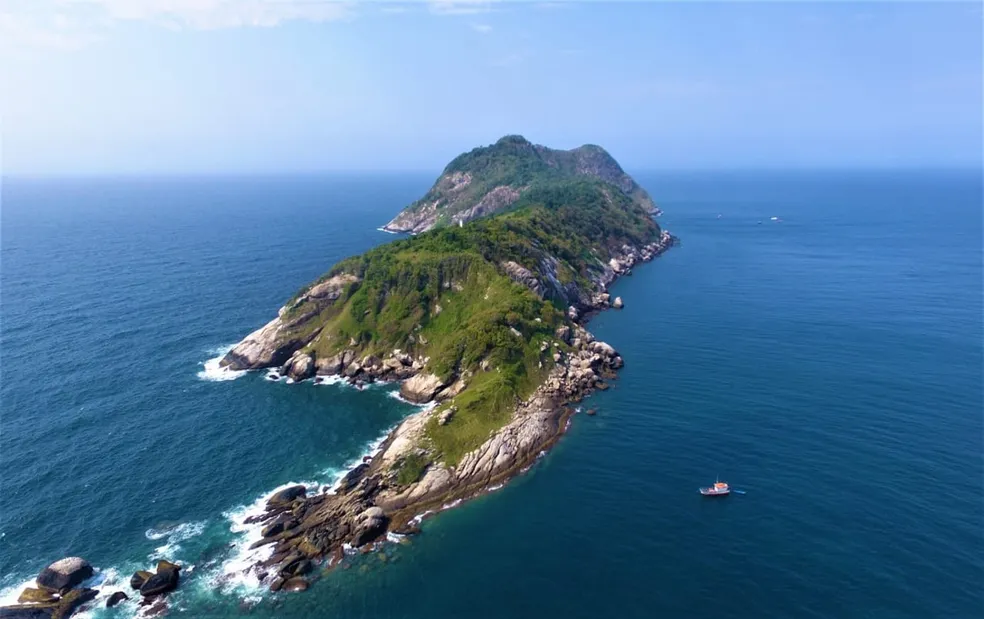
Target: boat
[{"x": 719, "y": 488}]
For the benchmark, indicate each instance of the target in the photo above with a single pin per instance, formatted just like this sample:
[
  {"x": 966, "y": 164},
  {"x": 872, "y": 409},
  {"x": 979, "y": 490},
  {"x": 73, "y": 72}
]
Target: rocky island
[{"x": 481, "y": 312}]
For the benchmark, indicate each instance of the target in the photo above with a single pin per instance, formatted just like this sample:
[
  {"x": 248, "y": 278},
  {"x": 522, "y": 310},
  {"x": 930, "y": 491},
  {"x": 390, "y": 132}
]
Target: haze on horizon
[{"x": 228, "y": 86}]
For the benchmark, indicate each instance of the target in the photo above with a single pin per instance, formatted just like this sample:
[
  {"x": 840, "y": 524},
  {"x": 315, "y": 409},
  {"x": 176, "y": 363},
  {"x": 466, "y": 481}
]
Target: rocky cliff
[{"x": 492, "y": 178}]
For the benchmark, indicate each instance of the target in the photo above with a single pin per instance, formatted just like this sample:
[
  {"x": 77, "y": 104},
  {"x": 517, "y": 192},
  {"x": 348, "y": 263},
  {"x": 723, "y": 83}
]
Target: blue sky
[{"x": 176, "y": 86}]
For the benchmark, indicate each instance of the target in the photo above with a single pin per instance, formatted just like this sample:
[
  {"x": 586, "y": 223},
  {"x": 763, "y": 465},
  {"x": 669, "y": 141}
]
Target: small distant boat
[{"x": 719, "y": 488}]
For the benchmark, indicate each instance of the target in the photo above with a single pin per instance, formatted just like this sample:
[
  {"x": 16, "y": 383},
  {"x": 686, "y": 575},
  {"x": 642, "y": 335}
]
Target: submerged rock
[
  {"x": 296, "y": 584},
  {"x": 116, "y": 598},
  {"x": 64, "y": 574}
]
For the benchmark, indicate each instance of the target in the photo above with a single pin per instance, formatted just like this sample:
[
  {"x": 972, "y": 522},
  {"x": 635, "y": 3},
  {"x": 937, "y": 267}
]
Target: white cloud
[
  {"x": 69, "y": 24},
  {"x": 482, "y": 28},
  {"x": 460, "y": 7}
]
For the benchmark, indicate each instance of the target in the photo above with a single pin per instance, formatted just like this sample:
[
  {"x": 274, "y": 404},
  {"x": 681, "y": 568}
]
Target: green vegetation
[
  {"x": 411, "y": 468},
  {"x": 515, "y": 162},
  {"x": 446, "y": 296}
]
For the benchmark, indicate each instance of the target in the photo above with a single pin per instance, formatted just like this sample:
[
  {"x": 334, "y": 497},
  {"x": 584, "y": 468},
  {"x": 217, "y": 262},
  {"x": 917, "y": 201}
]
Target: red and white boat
[{"x": 719, "y": 488}]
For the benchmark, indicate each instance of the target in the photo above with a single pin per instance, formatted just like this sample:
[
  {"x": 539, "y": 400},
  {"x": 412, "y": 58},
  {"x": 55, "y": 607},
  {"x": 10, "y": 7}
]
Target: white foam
[
  {"x": 8, "y": 597},
  {"x": 213, "y": 371},
  {"x": 174, "y": 536},
  {"x": 381, "y": 229},
  {"x": 235, "y": 572}
]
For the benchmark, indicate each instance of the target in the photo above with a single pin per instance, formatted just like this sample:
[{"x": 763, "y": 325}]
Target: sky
[{"x": 271, "y": 86}]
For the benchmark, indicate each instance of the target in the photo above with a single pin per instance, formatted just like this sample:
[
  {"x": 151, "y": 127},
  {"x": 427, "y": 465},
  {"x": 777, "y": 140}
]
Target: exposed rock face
[
  {"x": 64, "y": 574},
  {"x": 522, "y": 275},
  {"x": 265, "y": 347},
  {"x": 421, "y": 388},
  {"x": 274, "y": 343},
  {"x": 617, "y": 303}
]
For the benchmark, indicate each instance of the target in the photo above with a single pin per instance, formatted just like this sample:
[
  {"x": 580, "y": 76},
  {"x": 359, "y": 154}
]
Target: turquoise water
[{"x": 829, "y": 363}]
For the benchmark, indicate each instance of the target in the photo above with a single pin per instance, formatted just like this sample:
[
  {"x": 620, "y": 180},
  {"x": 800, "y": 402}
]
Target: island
[{"x": 479, "y": 313}]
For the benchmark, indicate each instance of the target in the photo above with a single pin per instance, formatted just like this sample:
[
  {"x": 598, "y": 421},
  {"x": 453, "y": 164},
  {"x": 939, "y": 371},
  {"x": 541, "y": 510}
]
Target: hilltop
[
  {"x": 483, "y": 318},
  {"x": 491, "y": 179}
]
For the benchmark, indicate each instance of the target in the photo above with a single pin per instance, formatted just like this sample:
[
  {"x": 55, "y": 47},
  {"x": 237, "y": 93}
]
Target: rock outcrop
[
  {"x": 421, "y": 388},
  {"x": 56, "y": 595},
  {"x": 64, "y": 574}
]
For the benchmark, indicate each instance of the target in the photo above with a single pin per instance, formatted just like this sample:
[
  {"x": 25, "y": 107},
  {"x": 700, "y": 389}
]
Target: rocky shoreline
[{"x": 368, "y": 503}]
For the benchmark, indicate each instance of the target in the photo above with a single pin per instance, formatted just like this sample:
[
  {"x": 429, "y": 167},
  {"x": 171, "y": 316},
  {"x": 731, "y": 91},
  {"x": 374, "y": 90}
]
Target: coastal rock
[
  {"x": 270, "y": 345},
  {"x": 36, "y": 596},
  {"x": 327, "y": 366},
  {"x": 617, "y": 303},
  {"x": 421, "y": 388},
  {"x": 300, "y": 367},
  {"x": 139, "y": 578},
  {"x": 286, "y": 496},
  {"x": 163, "y": 581},
  {"x": 297, "y": 568},
  {"x": 64, "y": 574},
  {"x": 116, "y": 598},
  {"x": 372, "y": 524}
]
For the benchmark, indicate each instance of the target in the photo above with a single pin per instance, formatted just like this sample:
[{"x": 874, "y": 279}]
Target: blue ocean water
[{"x": 828, "y": 362}]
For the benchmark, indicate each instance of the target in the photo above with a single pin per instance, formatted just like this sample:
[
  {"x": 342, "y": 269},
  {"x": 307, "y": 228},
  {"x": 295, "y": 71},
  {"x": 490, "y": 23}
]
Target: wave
[
  {"x": 212, "y": 371},
  {"x": 174, "y": 536},
  {"x": 382, "y": 229}
]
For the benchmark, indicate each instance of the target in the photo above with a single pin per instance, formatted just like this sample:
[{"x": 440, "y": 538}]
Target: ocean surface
[{"x": 828, "y": 362}]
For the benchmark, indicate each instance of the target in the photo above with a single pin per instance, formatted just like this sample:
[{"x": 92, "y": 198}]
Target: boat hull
[{"x": 713, "y": 492}]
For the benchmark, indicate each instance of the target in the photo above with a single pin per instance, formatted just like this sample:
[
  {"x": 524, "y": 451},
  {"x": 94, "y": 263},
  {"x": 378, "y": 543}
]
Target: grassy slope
[{"x": 481, "y": 309}]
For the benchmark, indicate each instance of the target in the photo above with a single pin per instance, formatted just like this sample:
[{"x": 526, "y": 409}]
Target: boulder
[
  {"x": 116, "y": 598},
  {"x": 286, "y": 496},
  {"x": 300, "y": 366},
  {"x": 352, "y": 369},
  {"x": 456, "y": 387},
  {"x": 617, "y": 303},
  {"x": 421, "y": 388},
  {"x": 161, "y": 582},
  {"x": 445, "y": 416},
  {"x": 327, "y": 366},
  {"x": 296, "y": 584},
  {"x": 372, "y": 524},
  {"x": 392, "y": 364},
  {"x": 603, "y": 349},
  {"x": 139, "y": 578},
  {"x": 277, "y": 584},
  {"x": 64, "y": 574}
]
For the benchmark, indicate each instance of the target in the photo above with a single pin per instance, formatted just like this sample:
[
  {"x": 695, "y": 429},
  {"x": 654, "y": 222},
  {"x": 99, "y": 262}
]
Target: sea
[{"x": 815, "y": 340}]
